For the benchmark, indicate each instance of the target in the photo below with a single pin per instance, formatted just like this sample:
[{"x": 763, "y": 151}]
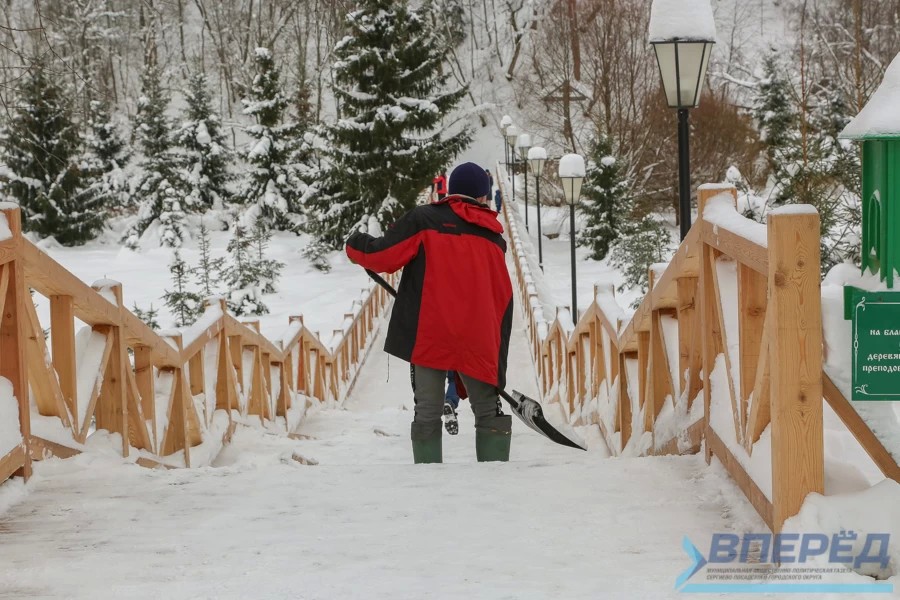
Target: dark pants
[
  {"x": 452, "y": 396},
  {"x": 429, "y": 395}
]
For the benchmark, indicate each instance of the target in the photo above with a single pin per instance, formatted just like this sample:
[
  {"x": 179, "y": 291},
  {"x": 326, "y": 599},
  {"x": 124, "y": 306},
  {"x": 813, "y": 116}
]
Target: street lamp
[
  {"x": 683, "y": 57},
  {"x": 523, "y": 144},
  {"x": 512, "y": 133},
  {"x": 571, "y": 171},
  {"x": 537, "y": 157},
  {"x": 505, "y": 122}
]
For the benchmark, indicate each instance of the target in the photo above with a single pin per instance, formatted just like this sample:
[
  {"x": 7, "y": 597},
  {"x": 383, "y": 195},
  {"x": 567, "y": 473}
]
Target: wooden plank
[
  {"x": 8, "y": 250},
  {"x": 138, "y": 434},
  {"x": 82, "y": 428},
  {"x": 757, "y": 498},
  {"x": 197, "y": 373},
  {"x": 694, "y": 435},
  {"x": 112, "y": 405},
  {"x": 13, "y": 462},
  {"x": 795, "y": 346},
  {"x": 864, "y": 435},
  {"x": 5, "y": 271},
  {"x": 624, "y": 413},
  {"x": 710, "y": 341},
  {"x": 226, "y": 395},
  {"x": 660, "y": 374},
  {"x": 42, "y": 449},
  {"x": 760, "y": 411},
  {"x": 752, "y": 301},
  {"x": 62, "y": 341},
  {"x": 174, "y": 437},
  {"x": 144, "y": 378},
  {"x": 45, "y": 386},
  {"x": 192, "y": 431},
  {"x": 643, "y": 357},
  {"x": 739, "y": 248},
  {"x": 236, "y": 352},
  {"x": 723, "y": 336},
  {"x": 689, "y": 354},
  {"x": 257, "y": 383},
  {"x": 12, "y": 334}
]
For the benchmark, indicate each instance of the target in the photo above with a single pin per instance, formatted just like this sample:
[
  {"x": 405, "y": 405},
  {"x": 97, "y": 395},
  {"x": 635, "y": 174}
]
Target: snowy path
[{"x": 365, "y": 523}]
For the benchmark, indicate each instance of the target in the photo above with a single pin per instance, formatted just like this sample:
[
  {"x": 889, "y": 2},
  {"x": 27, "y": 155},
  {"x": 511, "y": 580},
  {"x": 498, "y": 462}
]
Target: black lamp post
[
  {"x": 571, "y": 171},
  {"x": 505, "y": 122},
  {"x": 523, "y": 144},
  {"x": 682, "y": 65},
  {"x": 512, "y": 133},
  {"x": 537, "y": 157}
]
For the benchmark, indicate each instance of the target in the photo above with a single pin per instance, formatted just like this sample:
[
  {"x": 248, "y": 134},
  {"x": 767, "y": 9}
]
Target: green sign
[{"x": 876, "y": 345}]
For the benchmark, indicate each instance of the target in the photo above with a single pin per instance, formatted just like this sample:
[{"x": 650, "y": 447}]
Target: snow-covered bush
[{"x": 643, "y": 244}]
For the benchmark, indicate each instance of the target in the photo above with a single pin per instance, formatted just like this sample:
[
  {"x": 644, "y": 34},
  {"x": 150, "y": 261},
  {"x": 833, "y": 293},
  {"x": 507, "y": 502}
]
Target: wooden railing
[
  {"x": 723, "y": 353},
  {"x": 173, "y": 398}
]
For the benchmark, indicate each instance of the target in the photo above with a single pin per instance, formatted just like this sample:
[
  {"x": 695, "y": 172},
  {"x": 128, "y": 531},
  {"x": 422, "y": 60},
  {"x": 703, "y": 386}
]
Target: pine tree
[
  {"x": 203, "y": 153},
  {"x": 268, "y": 270},
  {"x": 184, "y": 304},
  {"x": 391, "y": 87},
  {"x": 241, "y": 277},
  {"x": 641, "y": 245},
  {"x": 774, "y": 111},
  {"x": 606, "y": 200},
  {"x": 41, "y": 151},
  {"x": 160, "y": 199},
  {"x": 209, "y": 269},
  {"x": 273, "y": 185},
  {"x": 148, "y": 316},
  {"x": 316, "y": 252},
  {"x": 106, "y": 153}
]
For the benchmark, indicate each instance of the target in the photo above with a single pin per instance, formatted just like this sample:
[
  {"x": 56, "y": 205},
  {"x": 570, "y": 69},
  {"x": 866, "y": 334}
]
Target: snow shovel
[{"x": 527, "y": 409}]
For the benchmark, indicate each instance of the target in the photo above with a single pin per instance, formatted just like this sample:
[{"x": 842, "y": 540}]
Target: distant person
[
  {"x": 498, "y": 199},
  {"x": 440, "y": 185},
  {"x": 453, "y": 257},
  {"x": 490, "y": 179},
  {"x": 451, "y": 403}
]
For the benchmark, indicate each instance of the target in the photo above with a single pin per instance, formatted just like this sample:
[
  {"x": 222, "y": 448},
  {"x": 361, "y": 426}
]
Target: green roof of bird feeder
[{"x": 877, "y": 126}]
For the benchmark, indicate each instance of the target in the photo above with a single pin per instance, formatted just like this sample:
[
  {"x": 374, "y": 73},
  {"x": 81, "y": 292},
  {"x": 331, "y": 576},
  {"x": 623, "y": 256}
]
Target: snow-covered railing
[
  {"x": 168, "y": 398},
  {"x": 723, "y": 353}
]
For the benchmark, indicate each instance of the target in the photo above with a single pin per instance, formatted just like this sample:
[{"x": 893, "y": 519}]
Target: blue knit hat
[{"x": 468, "y": 179}]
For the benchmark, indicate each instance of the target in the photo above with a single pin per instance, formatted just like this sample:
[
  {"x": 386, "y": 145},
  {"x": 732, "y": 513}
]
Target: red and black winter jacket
[{"x": 454, "y": 304}]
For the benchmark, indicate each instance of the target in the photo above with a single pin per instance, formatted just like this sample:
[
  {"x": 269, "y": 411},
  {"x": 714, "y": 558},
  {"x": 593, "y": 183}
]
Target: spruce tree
[
  {"x": 42, "y": 149},
  {"x": 160, "y": 199},
  {"x": 606, "y": 201},
  {"x": 209, "y": 269},
  {"x": 268, "y": 270},
  {"x": 203, "y": 154},
  {"x": 272, "y": 184},
  {"x": 184, "y": 304},
  {"x": 106, "y": 154},
  {"x": 774, "y": 109},
  {"x": 642, "y": 245},
  {"x": 148, "y": 316},
  {"x": 242, "y": 277},
  {"x": 390, "y": 83}
]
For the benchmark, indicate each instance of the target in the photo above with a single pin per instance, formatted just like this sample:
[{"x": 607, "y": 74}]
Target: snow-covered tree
[
  {"x": 203, "y": 153},
  {"x": 272, "y": 185},
  {"x": 209, "y": 269},
  {"x": 391, "y": 138},
  {"x": 186, "y": 305},
  {"x": 242, "y": 278},
  {"x": 106, "y": 155},
  {"x": 774, "y": 111},
  {"x": 148, "y": 316},
  {"x": 605, "y": 200},
  {"x": 641, "y": 245},
  {"x": 156, "y": 189},
  {"x": 268, "y": 270},
  {"x": 41, "y": 148}
]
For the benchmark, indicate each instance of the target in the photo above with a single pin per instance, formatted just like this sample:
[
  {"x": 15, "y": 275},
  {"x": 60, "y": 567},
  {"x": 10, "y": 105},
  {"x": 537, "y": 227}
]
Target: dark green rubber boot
[
  {"x": 426, "y": 443},
  {"x": 492, "y": 439}
]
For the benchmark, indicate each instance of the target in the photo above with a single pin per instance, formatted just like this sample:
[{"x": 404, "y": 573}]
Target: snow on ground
[
  {"x": 322, "y": 298},
  {"x": 363, "y": 521}
]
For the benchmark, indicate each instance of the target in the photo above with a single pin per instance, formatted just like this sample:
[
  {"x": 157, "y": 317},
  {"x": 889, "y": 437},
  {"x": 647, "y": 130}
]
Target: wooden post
[
  {"x": 711, "y": 340},
  {"x": 62, "y": 340},
  {"x": 12, "y": 334},
  {"x": 112, "y": 405},
  {"x": 690, "y": 359},
  {"x": 146, "y": 385},
  {"x": 752, "y": 302},
  {"x": 795, "y": 345}
]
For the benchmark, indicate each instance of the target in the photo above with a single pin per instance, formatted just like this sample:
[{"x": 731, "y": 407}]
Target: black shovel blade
[{"x": 531, "y": 413}]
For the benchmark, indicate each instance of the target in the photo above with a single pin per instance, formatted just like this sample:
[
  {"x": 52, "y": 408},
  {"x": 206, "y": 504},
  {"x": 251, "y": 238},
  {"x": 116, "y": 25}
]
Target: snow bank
[
  {"x": 872, "y": 511},
  {"x": 571, "y": 165},
  {"x": 682, "y": 20},
  {"x": 880, "y": 116},
  {"x": 10, "y": 436}
]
